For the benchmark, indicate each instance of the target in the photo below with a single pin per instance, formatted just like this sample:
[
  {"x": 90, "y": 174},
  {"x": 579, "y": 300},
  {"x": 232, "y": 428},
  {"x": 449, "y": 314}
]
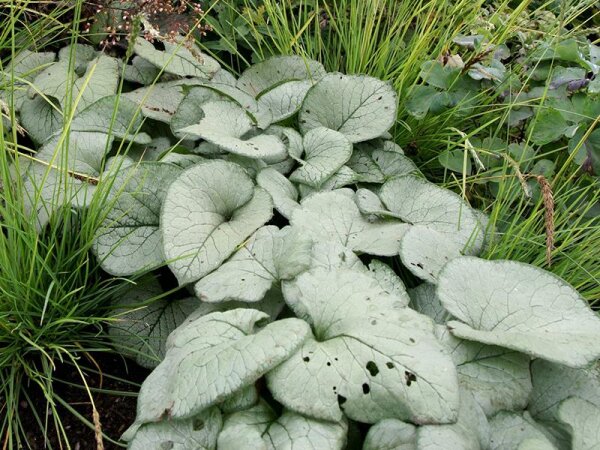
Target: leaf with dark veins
[
  {"x": 521, "y": 307},
  {"x": 333, "y": 216},
  {"x": 358, "y": 106},
  {"x": 208, "y": 211}
]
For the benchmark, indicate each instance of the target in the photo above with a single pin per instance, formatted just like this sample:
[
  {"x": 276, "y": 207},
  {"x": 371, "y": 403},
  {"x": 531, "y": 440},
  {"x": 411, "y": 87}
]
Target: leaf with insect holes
[
  {"x": 208, "y": 211},
  {"x": 268, "y": 257},
  {"x": 425, "y": 251},
  {"x": 521, "y": 307},
  {"x": 358, "y": 106},
  {"x": 178, "y": 58},
  {"x": 190, "y": 377},
  {"x": 224, "y": 124},
  {"x": 369, "y": 357}
]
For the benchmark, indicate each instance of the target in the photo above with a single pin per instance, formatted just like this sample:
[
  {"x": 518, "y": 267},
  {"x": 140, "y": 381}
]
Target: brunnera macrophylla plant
[{"x": 277, "y": 200}]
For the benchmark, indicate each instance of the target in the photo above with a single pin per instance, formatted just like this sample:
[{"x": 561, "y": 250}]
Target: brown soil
[{"x": 116, "y": 411}]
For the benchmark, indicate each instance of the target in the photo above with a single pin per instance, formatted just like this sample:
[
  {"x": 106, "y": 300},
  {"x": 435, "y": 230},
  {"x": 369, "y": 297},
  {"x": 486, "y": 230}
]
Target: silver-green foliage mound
[{"x": 279, "y": 212}]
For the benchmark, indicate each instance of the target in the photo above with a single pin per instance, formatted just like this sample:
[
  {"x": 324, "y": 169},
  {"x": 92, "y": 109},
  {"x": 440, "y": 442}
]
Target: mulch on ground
[{"x": 116, "y": 410}]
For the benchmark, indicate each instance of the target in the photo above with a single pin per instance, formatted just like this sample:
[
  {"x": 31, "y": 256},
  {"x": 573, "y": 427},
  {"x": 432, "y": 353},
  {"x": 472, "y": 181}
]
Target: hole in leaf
[
  {"x": 410, "y": 377},
  {"x": 167, "y": 445},
  {"x": 306, "y": 359},
  {"x": 412, "y": 340},
  {"x": 389, "y": 365},
  {"x": 341, "y": 400},
  {"x": 372, "y": 368},
  {"x": 366, "y": 389},
  {"x": 328, "y": 363},
  {"x": 198, "y": 424}
]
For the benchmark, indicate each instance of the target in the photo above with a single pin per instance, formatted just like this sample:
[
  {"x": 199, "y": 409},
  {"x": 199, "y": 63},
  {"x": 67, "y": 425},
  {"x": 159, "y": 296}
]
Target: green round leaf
[
  {"x": 141, "y": 71},
  {"x": 509, "y": 430},
  {"x": 129, "y": 239},
  {"x": 100, "y": 79},
  {"x": 190, "y": 378},
  {"x": 470, "y": 432},
  {"x": 284, "y": 100},
  {"x": 273, "y": 71},
  {"x": 40, "y": 118},
  {"x": 391, "y": 434},
  {"x": 498, "y": 378},
  {"x": 333, "y": 216},
  {"x": 189, "y": 112},
  {"x": 553, "y": 383},
  {"x": 269, "y": 256},
  {"x": 178, "y": 58},
  {"x": 583, "y": 418},
  {"x": 197, "y": 433},
  {"x": 418, "y": 202},
  {"x": 161, "y": 100},
  {"x": 283, "y": 193},
  {"x": 22, "y": 68},
  {"x": 141, "y": 332},
  {"x": 424, "y": 299},
  {"x": 224, "y": 124},
  {"x": 358, "y": 106},
  {"x": 262, "y": 429},
  {"x": 547, "y": 126},
  {"x": 208, "y": 211},
  {"x": 325, "y": 152},
  {"x": 425, "y": 251},
  {"x": 520, "y": 307}
]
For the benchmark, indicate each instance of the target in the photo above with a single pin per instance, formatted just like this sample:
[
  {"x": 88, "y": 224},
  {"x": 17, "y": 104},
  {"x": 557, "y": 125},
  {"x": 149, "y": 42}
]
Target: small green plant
[
  {"x": 556, "y": 101},
  {"x": 305, "y": 300}
]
